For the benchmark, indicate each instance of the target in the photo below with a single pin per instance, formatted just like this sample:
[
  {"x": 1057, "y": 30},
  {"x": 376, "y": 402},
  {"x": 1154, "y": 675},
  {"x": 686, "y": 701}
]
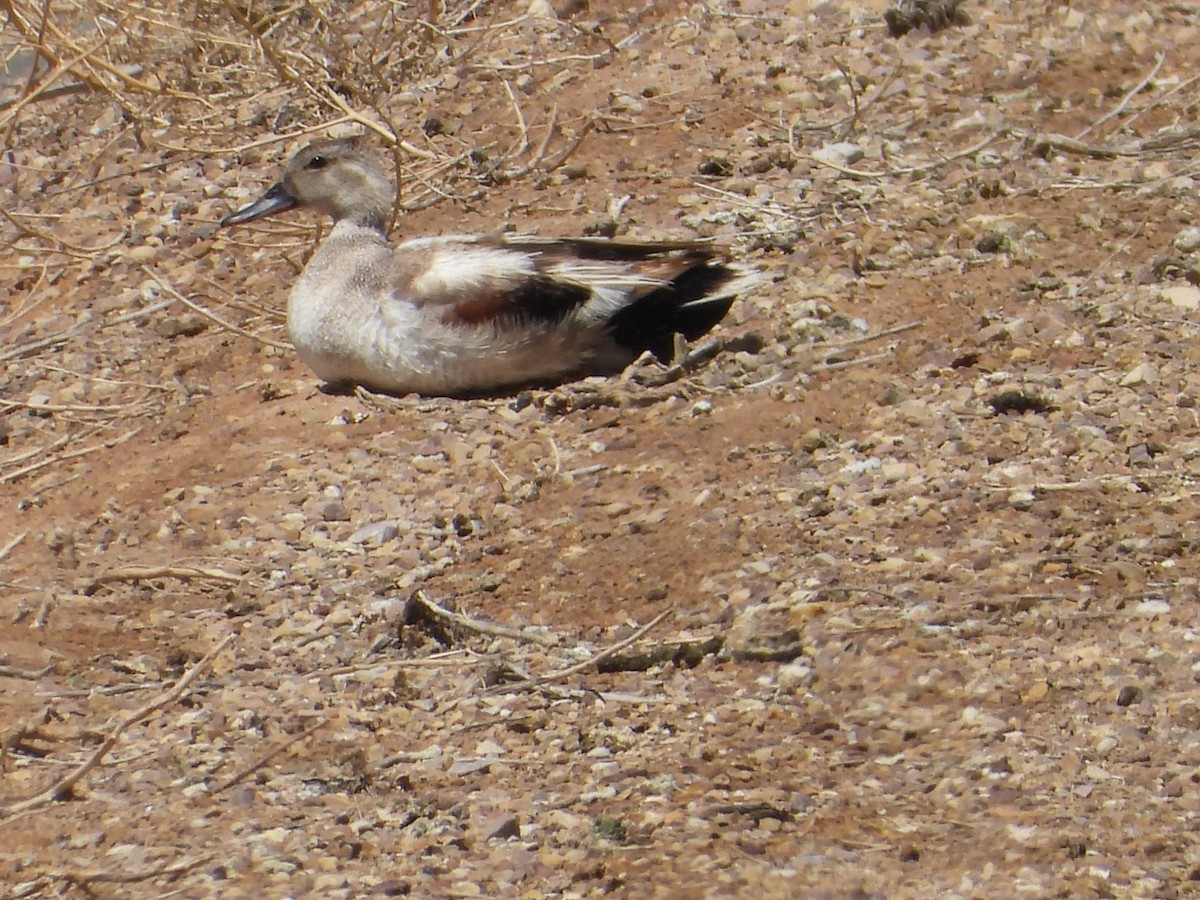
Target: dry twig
[
  {"x": 212, "y": 316},
  {"x": 1129, "y": 95},
  {"x": 455, "y": 620},
  {"x": 904, "y": 170},
  {"x": 586, "y": 664},
  {"x": 11, "y": 545},
  {"x": 133, "y": 876},
  {"x": 26, "y": 674},
  {"x": 63, "y": 786},
  {"x": 448, "y": 658},
  {"x": 143, "y": 573},
  {"x": 257, "y": 764}
]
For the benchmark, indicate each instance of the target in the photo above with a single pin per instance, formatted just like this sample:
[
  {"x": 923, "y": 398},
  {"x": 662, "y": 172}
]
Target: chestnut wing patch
[{"x": 536, "y": 300}]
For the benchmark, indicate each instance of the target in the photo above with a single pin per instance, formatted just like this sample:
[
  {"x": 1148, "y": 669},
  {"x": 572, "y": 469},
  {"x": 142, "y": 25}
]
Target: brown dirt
[{"x": 993, "y": 691}]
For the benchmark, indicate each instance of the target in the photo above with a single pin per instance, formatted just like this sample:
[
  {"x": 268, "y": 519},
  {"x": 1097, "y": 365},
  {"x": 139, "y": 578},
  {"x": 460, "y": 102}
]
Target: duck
[{"x": 460, "y": 314}]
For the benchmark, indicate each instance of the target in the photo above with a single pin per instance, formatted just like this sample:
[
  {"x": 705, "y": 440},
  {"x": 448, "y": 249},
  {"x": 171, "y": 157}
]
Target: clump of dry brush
[
  {"x": 210, "y": 78},
  {"x": 933, "y": 14}
]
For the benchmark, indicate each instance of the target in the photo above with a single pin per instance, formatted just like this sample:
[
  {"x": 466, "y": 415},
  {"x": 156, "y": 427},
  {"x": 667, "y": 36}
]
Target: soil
[{"x": 913, "y": 547}]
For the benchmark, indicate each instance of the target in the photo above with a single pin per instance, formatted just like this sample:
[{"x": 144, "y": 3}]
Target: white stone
[
  {"x": 1187, "y": 239},
  {"x": 1183, "y": 296},
  {"x": 842, "y": 154}
]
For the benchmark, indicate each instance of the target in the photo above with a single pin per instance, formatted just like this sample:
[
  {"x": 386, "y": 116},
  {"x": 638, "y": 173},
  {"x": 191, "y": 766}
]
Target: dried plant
[{"x": 936, "y": 15}]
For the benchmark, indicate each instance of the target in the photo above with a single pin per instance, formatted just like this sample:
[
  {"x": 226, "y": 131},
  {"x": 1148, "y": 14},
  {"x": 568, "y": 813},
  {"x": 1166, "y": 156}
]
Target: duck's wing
[{"x": 475, "y": 280}]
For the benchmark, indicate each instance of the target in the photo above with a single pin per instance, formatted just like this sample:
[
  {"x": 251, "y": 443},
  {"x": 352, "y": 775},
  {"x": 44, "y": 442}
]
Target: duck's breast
[{"x": 341, "y": 298}]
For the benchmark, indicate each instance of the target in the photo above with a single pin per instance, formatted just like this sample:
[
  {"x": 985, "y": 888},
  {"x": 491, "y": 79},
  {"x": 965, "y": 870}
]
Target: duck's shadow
[
  {"x": 645, "y": 372},
  {"x": 520, "y": 395}
]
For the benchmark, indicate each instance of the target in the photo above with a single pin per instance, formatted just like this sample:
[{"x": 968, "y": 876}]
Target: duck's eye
[{"x": 317, "y": 162}]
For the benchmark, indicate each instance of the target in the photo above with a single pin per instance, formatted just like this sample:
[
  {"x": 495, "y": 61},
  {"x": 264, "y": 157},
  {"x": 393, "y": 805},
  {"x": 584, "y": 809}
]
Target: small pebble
[
  {"x": 335, "y": 511},
  {"x": 1129, "y": 695},
  {"x": 375, "y": 532}
]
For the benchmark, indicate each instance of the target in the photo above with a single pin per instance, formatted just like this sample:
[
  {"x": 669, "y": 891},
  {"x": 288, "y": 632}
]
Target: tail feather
[
  {"x": 691, "y": 304},
  {"x": 647, "y": 292}
]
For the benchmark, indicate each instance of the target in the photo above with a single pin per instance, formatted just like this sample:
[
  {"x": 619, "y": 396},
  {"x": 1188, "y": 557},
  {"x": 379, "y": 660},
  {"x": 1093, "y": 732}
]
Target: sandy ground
[{"x": 914, "y": 547}]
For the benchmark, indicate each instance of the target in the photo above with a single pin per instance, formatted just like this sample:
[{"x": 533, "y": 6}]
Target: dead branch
[
  {"x": 1096, "y": 483},
  {"x": 62, "y": 90},
  {"x": 31, "y": 888},
  {"x": 876, "y": 335},
  {"x": 570, "y": 149},
  {"x": 67, "y": 249},
  {"x": 1129, "y": 95},
  {"x": 1046, "y": 143},
  {"x": 34, "y": 347},
  {"x": 783, "y": 646},
  {"x": 609, "y": 395},
  {"x": 1160, "y": 100},
  {"x": 11, "y": 545},
  {"x": 1098, "y": 270},
  {"x": 126, "y": 876},
  {"x": 855, "y": 111},
  {"x": 43, "y": 614},
  {"x": 851, "y": 363},
  {"x": 107, "y": 411},
  {"x": 678, "y": 653},
  {"x": 687, "y": 362},
  {"x": 112, "y": 690},
  {"x": 49, "y": 448},
  {"x": 906, "y": 170},
  {"x": 850, "y": 589},
  {"x": 410, "y": 757},
  {"x": 60, "y": 68},
  {"x": 448, "y": 658}
]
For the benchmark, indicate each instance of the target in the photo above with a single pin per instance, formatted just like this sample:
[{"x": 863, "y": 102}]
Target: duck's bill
[{"x": 277, "y": 199}]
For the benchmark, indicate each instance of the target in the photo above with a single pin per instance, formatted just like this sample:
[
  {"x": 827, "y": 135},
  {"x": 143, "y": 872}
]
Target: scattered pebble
[{"x": 843, "y": 154}]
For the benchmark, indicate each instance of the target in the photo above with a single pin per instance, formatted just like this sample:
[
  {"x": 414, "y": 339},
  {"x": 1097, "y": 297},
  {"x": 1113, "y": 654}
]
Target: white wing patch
[{"x": 457, "y": 270}]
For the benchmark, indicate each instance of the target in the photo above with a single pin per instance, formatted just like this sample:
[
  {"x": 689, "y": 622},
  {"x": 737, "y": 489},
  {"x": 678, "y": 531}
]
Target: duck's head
[{"x": 339, "y": 178}]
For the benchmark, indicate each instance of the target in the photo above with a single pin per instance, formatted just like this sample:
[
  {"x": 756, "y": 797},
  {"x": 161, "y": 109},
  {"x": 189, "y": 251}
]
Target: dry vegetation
[{"x": 890, "y": 592}]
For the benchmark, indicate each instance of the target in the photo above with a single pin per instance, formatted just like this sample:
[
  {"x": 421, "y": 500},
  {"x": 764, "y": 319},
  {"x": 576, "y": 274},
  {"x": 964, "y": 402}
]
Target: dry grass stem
[{"x": 71, "y": 454}]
